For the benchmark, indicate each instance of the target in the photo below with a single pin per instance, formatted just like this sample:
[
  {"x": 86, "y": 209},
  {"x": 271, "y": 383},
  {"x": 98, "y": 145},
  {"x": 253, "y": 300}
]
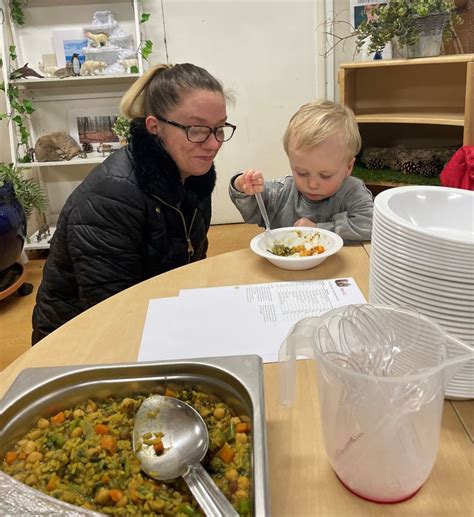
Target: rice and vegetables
[
  {"x": 298, "y": 243},
  {"x": 84, "y": 456}
]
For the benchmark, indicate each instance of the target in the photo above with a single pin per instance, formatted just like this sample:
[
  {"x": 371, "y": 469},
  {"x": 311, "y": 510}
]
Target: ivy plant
[
  {"x": 20, "y": 110},
  {"x": 16, "y": 12},
  {"x": 146, "y": 47}
]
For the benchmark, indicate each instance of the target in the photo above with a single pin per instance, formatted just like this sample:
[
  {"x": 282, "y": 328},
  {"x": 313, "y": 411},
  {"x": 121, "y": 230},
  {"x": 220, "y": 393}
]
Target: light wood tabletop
[{"x": 302, "y": 483}]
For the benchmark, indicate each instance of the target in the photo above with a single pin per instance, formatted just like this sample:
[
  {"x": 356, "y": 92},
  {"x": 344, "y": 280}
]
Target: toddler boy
[{"x": 321, "y": 141}]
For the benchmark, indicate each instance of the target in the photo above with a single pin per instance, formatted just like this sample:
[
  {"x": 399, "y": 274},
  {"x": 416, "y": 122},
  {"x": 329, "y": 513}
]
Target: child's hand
[
  {"x": 305, "y": 222},
  {"x": 250, "y": 182}
]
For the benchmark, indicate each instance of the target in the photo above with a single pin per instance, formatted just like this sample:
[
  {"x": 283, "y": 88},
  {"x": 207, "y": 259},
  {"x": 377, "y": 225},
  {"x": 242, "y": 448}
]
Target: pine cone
[
  {"x": 410, "y": 167},
  {"x": 374, "y": 163},
  {"x": 87, "y": 147},
  {"x": 429, "y": 170}
]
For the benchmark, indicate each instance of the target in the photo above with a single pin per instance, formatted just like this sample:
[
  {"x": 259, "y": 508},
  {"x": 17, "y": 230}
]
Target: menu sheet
[{"x": 238, "y": 319}]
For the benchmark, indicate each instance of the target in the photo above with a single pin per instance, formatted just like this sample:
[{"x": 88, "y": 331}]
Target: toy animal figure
[
  {"x": 128, "y": 63},
  {"x": 43, "y": 232},
  {"x": 98, "y": 40},
  {"x": 24, "y": 72},
  {"x": 87, "y": 147},
  {"x": 64, "y": 72},
  {"x": 76, "y": 64},
  {"x": 93, "y": 67},
  {"x": 48, "y": 71},
  {"x": 104, "y": 148}
]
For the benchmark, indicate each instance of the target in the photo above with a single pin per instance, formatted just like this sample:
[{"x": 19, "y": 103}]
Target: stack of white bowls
[{"x": 423, "y": 257}]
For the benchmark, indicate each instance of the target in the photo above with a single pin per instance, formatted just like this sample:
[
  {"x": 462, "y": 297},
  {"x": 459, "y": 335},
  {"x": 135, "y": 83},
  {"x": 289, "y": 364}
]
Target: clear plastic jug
[{"x": 381, "y": 375}]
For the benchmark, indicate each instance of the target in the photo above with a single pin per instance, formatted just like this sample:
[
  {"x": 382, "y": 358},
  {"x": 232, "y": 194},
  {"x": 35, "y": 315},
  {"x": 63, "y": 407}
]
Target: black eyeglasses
[{"x": 199, "y": 134}]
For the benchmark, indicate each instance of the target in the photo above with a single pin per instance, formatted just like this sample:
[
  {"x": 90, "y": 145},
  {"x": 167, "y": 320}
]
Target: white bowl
[
  {"x": 440, "y": 212},
  {"x": 262, "y": 242}
]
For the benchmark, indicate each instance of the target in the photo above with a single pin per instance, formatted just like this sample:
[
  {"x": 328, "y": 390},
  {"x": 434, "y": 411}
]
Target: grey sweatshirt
[{"x": 348, "y": 212}]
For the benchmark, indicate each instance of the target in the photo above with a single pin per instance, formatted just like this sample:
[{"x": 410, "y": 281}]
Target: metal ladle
[{"x": 186, "y": 440}]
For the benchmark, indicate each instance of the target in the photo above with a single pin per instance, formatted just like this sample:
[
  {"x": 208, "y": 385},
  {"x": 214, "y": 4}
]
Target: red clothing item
[{"x": 459, "y": 171}]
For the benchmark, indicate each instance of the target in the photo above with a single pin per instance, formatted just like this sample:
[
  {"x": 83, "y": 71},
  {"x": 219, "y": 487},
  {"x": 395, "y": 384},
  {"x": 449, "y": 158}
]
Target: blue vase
[{"x": 12, "y": 227}]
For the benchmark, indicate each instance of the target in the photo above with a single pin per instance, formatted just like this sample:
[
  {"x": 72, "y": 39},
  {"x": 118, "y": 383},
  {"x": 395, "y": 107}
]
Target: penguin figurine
[{"x": 76, "y": 64}]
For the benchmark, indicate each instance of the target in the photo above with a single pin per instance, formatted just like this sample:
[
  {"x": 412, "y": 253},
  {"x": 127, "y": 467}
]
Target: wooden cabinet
[{"x": 427, "y": 101}]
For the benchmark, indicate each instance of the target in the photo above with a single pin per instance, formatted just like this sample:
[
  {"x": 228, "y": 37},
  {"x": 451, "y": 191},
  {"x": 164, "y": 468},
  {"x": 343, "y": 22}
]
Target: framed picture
[
  {"x": 67, "y": 43},
  {"x": 361, "y": 10},
  {"x": 93, "y": 126}
]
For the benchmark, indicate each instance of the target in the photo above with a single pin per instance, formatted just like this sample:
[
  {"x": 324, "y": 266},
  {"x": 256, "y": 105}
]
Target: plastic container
[{"x": 381, "y": 375}]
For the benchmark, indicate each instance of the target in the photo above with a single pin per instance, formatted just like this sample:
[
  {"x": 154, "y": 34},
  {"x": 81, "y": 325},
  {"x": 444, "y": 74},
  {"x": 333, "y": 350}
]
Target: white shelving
[
  {"x": 93, "y": 158},
  {"x": 53, "y": 98},
  {"x": 33, "y": 243}
]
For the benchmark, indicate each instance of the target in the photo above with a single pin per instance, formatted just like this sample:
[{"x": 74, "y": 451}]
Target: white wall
[{"x": 265, "y": 52}]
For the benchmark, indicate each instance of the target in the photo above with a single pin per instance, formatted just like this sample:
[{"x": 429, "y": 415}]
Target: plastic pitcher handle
[
  {"x": 453, "y": 364},
  {"x": 295, "y": 344}
]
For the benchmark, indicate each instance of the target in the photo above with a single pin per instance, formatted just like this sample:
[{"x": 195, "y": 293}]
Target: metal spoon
[
  {"x": 186, "y": 440},
  {"x": 263, "y": 210}
]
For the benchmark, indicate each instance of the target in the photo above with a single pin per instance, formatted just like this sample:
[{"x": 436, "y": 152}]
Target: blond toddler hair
[{"x": 318, "y": 120}]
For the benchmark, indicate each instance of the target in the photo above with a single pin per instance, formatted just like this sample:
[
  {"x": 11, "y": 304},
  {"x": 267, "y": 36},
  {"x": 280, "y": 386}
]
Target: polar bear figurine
[
  {"x": 128, "y": 63},
  {"x": 48, "y": 71},
  {"x": 93, "y": 67},
  {"x": 98, "y": 40}
]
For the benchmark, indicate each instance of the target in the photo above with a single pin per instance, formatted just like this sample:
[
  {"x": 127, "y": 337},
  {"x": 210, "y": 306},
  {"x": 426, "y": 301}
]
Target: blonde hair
[
  {"x": 318, "y": 120},
  {"x": 162, "y": 87}
]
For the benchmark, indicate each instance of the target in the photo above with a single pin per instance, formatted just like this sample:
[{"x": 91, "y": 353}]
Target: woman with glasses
[{"x": 147, "y": 208}]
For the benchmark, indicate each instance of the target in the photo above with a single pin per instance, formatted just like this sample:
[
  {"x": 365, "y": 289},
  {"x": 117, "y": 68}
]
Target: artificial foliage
[
  {"x": 29, "y": 192},
  {"x": 146, "y": 47},
  {"x": 16, "y": 11},
  {"x": 397, "y": 21},
  {"x": 121, "y": 128},
  {"x": 20, "y": 110},
  {"x": 387, "y": 176}
]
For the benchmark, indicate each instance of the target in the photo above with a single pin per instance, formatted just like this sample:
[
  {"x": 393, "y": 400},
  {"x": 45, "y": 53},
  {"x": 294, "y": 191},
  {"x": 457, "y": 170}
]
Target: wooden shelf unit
[{"x": 433, "y": 91}]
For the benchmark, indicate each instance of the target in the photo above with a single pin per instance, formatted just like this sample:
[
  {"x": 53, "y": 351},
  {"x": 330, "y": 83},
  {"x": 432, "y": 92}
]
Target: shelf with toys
[{"x": 66, "y": 66}]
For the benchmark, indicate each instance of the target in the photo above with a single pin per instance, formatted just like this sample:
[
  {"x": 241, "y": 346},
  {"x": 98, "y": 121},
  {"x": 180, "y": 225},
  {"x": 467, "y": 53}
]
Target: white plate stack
[{"x": 423, "y": 257}]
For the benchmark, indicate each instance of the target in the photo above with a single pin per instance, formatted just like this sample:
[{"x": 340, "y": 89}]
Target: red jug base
[{"x": 379, "y": 501}]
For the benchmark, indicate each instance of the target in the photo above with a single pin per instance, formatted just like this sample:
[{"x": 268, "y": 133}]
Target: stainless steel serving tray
[{"x": 238, "y": 381}]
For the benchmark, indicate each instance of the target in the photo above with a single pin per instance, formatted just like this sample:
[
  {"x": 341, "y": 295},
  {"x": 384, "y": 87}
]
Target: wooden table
[{"x": 302, "y": 482}]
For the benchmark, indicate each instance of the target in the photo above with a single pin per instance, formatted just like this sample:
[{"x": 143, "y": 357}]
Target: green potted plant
[
  {"x": 28, "y": 192},
  {"x": 121, "y": 128},
  {"x": 414, "y": 27},
  {"x": 18, "y": 198}
]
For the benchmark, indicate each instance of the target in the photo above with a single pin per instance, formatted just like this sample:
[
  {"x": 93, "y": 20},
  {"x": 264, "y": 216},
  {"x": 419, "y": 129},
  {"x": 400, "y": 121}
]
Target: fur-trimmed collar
[{"x": 157, "y": 173}]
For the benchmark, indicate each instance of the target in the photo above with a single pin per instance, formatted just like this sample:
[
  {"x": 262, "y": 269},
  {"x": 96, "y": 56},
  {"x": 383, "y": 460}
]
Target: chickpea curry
[{"x": 84, "y": 456}]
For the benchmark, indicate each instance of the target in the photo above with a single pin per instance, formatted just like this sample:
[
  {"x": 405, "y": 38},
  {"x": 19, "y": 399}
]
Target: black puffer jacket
[{"x": 131, "y": 218}]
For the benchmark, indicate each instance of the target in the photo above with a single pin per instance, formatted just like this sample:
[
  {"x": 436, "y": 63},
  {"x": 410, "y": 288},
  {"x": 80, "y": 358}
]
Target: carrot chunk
[
  {"x": 226, "y": 453},
  {"x": 109, "y": 443},
  {"x": 170, "y": 393},
  {"x": 243, "y": 427},
  {"x": 115, "y": 494},
  {"x": 58, "y": 419},
  {"x": 10, "y": 457},
  {"x": 101, "y": 429}
]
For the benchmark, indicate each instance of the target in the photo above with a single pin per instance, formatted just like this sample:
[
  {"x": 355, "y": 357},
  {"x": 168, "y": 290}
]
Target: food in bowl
[
  {"x": 296, "y": 247},
  {"x": 298, "y": 243},
  {"x": 84, "y": 456}
]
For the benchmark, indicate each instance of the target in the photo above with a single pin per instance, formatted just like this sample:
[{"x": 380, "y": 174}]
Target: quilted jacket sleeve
[{"x": 105, "y": 238}]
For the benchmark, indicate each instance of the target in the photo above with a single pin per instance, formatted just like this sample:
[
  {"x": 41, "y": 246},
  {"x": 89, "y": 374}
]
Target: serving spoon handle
[{"x": 207, "y": 494}]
